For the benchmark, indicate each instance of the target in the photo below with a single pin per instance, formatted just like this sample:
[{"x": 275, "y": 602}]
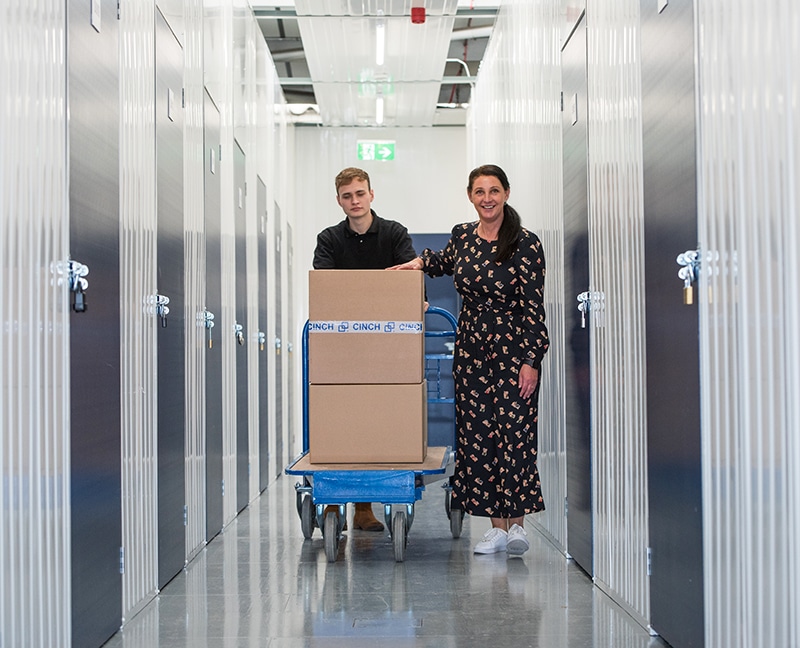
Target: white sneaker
[
  {"x": 494, "y": 540},
  {"x": 517, "y": 542}
]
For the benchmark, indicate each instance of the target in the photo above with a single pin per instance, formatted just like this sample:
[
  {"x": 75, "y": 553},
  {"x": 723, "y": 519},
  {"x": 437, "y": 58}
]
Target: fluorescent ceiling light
[
  {"x": 380, "y": 42},
  {"x": 357, "y": 53},
  {"x": 379, "y": 111}
]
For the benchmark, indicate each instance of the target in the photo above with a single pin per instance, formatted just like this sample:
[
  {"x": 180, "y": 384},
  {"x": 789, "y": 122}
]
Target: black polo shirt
[{"x": 386, "y": 243}]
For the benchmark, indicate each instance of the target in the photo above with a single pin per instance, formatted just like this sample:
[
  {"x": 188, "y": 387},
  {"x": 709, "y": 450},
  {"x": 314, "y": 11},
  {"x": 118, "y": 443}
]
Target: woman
[{"x": 498, "y": 269}]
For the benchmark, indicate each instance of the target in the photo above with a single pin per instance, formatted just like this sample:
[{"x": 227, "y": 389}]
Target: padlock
[
  {"x": 79, "y": 301},
  {"x": 688, "y": 295}
]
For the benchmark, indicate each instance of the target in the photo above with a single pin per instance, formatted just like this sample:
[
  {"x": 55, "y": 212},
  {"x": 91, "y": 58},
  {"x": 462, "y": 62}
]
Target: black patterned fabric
[{"x": 501, "y": 323}]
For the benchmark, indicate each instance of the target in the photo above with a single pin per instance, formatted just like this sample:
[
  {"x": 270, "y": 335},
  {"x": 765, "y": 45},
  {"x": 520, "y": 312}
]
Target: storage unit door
[
  {"x": 263, "y": 327},
  {"x": 243, "y": 337},
  {"x": 280, "y": 459},
  {"x": 576, "y": 283},
  {"x": 93, "y": 80},
  {"x": 290, "y": 362},
  {"x": 673, "y": 364},
  {"x": 213, "y": 206},
  {"x": 170, "y": 284}
]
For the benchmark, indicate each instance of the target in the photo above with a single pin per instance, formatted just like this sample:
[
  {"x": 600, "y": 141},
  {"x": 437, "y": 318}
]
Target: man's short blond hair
[{"x": 346, "y": 176}]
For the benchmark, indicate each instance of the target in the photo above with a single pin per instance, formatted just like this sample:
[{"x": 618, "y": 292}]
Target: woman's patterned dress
[{"x": 501, "y": 324}]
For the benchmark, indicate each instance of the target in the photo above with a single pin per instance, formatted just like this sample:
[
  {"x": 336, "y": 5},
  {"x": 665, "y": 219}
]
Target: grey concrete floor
[{"x": 260, "y": 584}]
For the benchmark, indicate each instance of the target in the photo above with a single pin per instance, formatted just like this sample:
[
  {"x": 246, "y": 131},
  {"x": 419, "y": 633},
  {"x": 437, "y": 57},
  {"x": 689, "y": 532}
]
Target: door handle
[
  {"x": 76, "y": 279},
  {"x": 206, "y": 319},
  {"x": 591, "y": 302},
  {"x": 162, "y": 310},
  {"x": 689, "y": 271},
  {"x": 584, "y": 305}
]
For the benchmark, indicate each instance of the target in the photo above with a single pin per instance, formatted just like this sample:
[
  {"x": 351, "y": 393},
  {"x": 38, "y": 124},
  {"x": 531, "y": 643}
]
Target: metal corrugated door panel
[
  {"x": 280, "y": 447},
  {"x": 576, "y": 283},
  {"x": 219, "y": 76},
  {"x": 138, "y": 321},
  {"x": 213, "y": 307},
  {"x": 292, "y": 443},
  {"x": 617, "y": 305},
  {"x": 195, "y": 277},
  {"x": 243, "y": 337},
  {"x": 34, "y": 311},
  {"x": 749, "y": 149},
  {"x": 94, "y": 198},
  {"x": 248, "y": 37},
  {"x": 171, "y": 318},
  {"x": 262, "y": 223},
  {"x": 673, "y": 360}
]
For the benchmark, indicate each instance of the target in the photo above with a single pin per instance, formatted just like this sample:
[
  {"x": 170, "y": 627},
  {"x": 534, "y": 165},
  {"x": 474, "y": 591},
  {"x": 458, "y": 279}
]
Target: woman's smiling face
[{"x": 488, "y": 197}]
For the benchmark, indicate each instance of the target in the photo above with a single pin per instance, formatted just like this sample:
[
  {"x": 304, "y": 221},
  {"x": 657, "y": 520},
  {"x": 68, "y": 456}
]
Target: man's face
[{"x": 355, "y": 199}]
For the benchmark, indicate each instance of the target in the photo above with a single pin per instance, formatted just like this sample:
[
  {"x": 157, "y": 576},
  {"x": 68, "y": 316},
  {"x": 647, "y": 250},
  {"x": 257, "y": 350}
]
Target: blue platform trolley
[{"x": 396, "y": 486}]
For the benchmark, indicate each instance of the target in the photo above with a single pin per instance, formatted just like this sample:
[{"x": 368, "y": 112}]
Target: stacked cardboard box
[{"x": 366, "y": 346}]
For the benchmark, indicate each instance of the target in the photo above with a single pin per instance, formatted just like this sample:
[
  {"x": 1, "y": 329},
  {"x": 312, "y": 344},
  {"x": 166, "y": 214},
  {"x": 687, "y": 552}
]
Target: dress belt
[{"x": 489, "y": 307}]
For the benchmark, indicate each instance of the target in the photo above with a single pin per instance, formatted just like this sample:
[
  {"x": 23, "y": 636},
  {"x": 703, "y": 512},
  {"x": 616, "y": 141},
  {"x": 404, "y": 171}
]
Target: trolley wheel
[
  {"x": 455, "y": 515},
  {"x": 331, "y": 535},
  {"x": 456, "y": 522},
  {"x": 399, "y": 535},
  {"x": 307, "y": 517}
]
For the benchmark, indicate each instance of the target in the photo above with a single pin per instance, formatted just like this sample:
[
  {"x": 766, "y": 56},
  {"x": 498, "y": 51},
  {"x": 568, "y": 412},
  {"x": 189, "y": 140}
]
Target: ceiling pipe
[
  {"x": 471, "y": 32},
  {"x": 288, "y": 55},
  {"x": 468, "y": 75}
]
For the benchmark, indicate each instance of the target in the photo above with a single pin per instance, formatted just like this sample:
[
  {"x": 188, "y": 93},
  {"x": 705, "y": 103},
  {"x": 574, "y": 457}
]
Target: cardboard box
[
  {"x": 368, "y": 423},
  {"x": 366, "y": 327}
]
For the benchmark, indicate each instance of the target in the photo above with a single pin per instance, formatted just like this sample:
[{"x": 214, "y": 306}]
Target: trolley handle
[{"x": 435, "y": 310}]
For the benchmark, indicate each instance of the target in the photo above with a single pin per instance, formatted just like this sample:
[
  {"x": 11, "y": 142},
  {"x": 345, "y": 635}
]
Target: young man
[{"x": 362, "y": 241}]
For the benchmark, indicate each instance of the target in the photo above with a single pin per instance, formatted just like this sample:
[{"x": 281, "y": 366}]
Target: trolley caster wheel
[
  {"x": 307, "y": 517},
  {"x": 331, "y": 536},
  {"x": 456, "y": 522},
  {"x": 399, "y": 535},
  {"x": 455, "y": 515}
]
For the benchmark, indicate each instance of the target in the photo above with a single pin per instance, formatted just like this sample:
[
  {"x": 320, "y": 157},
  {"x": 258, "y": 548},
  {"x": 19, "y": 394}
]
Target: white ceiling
[{"x": 365, "y": 63}]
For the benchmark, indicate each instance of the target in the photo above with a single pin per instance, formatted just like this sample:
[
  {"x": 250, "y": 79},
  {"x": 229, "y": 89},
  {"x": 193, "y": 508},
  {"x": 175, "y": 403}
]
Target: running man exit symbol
[{"x": 376, "y": 149}]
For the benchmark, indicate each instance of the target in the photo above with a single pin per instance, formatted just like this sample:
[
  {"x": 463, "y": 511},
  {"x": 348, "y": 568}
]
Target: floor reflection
[{"x": 260, "y": 584}]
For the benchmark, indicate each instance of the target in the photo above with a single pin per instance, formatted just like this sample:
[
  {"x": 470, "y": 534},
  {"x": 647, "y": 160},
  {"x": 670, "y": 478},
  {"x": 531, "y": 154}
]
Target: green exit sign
[{"x": 376, "y": 149}]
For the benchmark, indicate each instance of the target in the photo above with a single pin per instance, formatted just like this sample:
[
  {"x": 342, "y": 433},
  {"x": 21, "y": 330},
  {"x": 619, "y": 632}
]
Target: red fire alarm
[{"x": 417, "y": 15}]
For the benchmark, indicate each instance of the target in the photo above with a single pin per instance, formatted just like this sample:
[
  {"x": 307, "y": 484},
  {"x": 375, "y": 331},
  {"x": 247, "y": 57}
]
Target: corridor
[
  {"x": 258, "y": 583},
  {"x": 168, "y": 168}
]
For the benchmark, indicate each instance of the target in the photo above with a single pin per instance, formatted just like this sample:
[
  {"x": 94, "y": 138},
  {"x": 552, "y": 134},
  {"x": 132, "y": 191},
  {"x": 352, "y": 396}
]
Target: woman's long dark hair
[{"x": 511, "y": 228}]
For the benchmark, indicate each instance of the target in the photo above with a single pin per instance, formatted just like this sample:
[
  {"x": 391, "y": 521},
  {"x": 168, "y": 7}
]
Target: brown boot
[
  {"x": 335, "y": 509},
  {"x": 364, "y": 519}
]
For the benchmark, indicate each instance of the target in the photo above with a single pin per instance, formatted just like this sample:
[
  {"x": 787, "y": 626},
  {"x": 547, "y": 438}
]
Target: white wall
[{"x": 424, "y": 187}]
